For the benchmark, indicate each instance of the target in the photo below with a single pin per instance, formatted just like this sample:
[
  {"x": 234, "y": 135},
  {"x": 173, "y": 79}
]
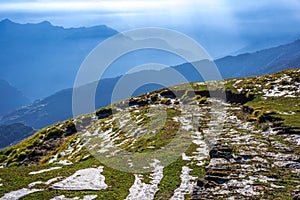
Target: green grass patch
[
  {"x": 15, "y": 178},
  {"x": 287, "y": 109}
]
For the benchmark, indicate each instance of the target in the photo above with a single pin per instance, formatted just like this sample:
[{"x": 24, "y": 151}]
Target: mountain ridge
[
  {"x": 55, "y": 51},
  {"x": 11, "y": 99},
  {"x": 236, "y": 69},
  {"x": 47, "y": 55}
]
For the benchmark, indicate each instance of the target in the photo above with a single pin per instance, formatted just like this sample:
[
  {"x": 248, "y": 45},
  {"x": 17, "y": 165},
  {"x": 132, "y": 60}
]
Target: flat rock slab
[
  {"x": 85, "y": 179},
  {"x": 44, "y": 170},
  {"x": 18, "y": 194},
  {"x": 87, "y": 197}
]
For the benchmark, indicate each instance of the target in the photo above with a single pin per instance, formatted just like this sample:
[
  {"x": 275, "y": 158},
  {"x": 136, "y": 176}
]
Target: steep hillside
[
  {"x": 43, "y": 113},
  {"x": 258, "y": 63},
  {"x": 244, "y": 147},
  {"x": 261, "y": 62},
  {"x": 13, "y": 133},
  {"x": 58, "y": 107},
  {"x": 11, "y": 98}
]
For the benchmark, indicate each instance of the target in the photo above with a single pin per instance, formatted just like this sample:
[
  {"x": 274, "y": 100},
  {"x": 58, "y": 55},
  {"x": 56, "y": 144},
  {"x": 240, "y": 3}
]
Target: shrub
[
  {"x": 202, "y": 100},
  {"x": 2, "y": 158},
  {"x": 256, "y": 112},
  {"x": 53, "y": 133},
  {"x": 22, "y": 156},
  {"x": 262, "y": 116},
  {"x": 142, "y": 102},
  {"x": 13, "y": 164},
  {"x": 154, "y": 98},
  {"x": 166, "y": 101},
  {"x": 7, "y": 151},
  {"x": 197, "y": 97},
  {"x": 105, "y": 112},
  {"x": 265, "y": 116},
  {"x": 176, "y": 102}
]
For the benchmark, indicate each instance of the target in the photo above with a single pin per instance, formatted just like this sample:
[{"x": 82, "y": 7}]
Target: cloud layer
[{"x": 208, "y": 21}]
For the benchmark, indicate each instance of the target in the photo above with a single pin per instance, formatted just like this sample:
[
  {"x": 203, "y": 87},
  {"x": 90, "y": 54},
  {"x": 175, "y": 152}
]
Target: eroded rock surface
[{"x": 248, "y": 163}]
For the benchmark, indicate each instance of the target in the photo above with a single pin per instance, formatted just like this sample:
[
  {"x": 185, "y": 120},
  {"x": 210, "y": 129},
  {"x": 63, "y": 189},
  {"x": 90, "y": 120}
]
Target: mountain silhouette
[
  {"x": 11, "y": 98},
  {"x": 41, "y": 58}
]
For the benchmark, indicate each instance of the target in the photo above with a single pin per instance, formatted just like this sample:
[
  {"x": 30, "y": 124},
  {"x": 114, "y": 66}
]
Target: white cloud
[
  {"x": 136, "y": 12},
  {"x": 116, "y": 5},
  {"x": 210, "y": 21}
]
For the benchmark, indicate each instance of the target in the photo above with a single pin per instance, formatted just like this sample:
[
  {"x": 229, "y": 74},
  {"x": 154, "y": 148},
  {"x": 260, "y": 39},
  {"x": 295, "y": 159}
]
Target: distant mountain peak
[
  {"x": 45, "y": 23},
  {"x": 7, "y": 21},
  {"x": 10, "y": 22},
  {"x": 11, "y": 98}
]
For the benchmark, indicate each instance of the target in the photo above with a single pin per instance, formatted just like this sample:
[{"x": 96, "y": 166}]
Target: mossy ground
[
  {"x": 15, "y": 178},
  {"x": 286, "y": 110}
]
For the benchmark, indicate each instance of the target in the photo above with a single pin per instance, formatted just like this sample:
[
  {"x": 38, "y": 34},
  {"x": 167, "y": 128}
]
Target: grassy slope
[
  {"x": 15, "y": 178},
  {"x": 288, "y": 109}
]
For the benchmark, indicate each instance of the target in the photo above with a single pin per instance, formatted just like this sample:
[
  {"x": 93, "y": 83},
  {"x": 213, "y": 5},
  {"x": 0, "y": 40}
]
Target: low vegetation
[{"x": 257, "y": 104}]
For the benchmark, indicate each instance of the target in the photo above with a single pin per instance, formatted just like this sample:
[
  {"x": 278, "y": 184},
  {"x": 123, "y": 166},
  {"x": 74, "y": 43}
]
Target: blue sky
[
  {"x": 208, "y": 21},
  {"x": 119, "y": 13},
  {"x": 134, "y": 13}
]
